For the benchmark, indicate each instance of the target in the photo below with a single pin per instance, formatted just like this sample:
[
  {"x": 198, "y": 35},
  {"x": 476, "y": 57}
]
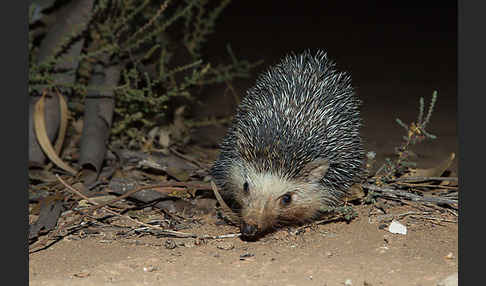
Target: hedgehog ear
[{"x": 315, "y": 170}]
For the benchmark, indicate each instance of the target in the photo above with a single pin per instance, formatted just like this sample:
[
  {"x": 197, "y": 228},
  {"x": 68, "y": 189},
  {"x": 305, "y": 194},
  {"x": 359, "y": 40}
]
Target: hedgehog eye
[
  {"x": 286, "y": 199},
  {"x": 245, "y": 188}
]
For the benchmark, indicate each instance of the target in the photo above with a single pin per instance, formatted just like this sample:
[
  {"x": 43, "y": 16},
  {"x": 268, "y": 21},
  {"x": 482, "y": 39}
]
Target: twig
[
  {"x": 229, "y": 235},
  {"x": 169, "y": 232},
  {"x": 452, "y": 212},
  {"x": 417, "y": 179},
  {"x": 381, "y": 218},
  {"x": 167, "y": 185},
  {"x": 150, "y": 22},
  {"x": 427, "y": 186},
  {"x": 190, "y": 235},
  {"x": 394, "y": 193},
  {"x": 75, "y": 191},
  {"x": 228, "y": 213},
  {"x": 163, "y": 231},
  {"x": 433, "y": 218}
]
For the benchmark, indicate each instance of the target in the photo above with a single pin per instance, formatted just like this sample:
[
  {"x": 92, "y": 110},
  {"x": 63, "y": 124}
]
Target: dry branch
[
  {"x": 156, "y": 228},
  {"x": 418, "y": 179},
  {"x": 399, "y": 194},
  {"x": 164, "y": 231}
]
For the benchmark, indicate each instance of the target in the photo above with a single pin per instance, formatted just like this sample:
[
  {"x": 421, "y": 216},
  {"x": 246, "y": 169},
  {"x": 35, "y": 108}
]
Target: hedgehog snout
[{"x": 248, "y": 229}]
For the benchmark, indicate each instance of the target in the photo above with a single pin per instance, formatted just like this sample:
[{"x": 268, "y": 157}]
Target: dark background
[{"x": 375, "y": 40}]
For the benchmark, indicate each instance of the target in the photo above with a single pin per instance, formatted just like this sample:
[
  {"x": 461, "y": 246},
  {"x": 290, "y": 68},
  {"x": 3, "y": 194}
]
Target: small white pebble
[
  {"x": 396, "y": 227},
  {"x": 348, "y": 282}
]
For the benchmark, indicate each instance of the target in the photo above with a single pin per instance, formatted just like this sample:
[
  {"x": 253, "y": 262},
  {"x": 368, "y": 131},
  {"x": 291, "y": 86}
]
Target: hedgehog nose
[{"x": 248, "y": 229}]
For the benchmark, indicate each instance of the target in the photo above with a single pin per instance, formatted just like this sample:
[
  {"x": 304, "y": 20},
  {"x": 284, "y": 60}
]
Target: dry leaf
[
  {"x": 41, "y": 133},
  {"x": 63, "y": 123}
]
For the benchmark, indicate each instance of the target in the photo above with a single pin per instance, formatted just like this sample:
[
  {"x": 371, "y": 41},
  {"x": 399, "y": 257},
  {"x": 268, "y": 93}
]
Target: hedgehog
[{"x": 293, "y": 149}]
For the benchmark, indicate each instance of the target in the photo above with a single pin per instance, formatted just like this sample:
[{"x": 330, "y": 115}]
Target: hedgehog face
[{"x": 268, "y": 201}]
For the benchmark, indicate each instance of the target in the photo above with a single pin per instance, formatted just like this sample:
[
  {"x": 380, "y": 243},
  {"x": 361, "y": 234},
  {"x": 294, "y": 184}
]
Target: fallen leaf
[
  {"x": 49, "y": 214},
  {"x": 43, "y": 139},
  {"x": 63, "y": 123}
]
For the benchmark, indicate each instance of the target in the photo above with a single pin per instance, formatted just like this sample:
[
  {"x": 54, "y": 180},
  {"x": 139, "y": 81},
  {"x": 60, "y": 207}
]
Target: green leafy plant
[{"x": 156, "y": 47}]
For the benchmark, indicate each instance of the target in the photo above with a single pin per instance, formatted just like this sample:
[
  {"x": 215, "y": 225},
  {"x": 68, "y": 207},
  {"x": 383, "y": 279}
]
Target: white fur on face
[
  {"x": 262, "y": 185},
  {"x": 261, "y": 205},
  {"x": 269, "y": 185}
]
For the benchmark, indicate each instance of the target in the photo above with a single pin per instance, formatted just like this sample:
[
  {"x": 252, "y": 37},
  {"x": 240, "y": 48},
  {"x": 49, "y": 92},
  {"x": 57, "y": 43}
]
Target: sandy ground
[{"x": 324, "y": 255}]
